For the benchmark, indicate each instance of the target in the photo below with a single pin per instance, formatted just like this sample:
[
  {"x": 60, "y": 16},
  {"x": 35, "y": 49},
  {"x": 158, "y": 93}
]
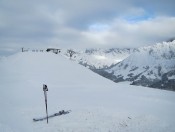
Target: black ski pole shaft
[{"x": 45, "y": 94}]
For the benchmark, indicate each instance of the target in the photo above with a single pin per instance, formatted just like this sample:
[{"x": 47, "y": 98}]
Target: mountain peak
[{"x": 152, "y": 66}]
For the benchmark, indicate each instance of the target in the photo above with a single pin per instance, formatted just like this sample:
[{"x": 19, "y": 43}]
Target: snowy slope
[
  {"x": 101, "y": 58},
  {"x": 152, "y": 66},
  {"x": 97, "y": 104}
]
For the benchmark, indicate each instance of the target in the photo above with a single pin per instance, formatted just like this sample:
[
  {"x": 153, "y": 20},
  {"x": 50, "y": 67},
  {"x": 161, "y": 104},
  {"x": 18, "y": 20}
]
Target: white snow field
[{"x": 97, "y": 104}]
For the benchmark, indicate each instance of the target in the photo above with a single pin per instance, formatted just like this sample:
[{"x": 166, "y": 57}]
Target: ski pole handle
[{"x": 45, "y": 87}]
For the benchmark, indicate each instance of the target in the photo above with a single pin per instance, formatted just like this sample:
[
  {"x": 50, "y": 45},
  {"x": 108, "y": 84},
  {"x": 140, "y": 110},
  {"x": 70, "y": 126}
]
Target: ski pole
[{"x": 45, "y": 95}]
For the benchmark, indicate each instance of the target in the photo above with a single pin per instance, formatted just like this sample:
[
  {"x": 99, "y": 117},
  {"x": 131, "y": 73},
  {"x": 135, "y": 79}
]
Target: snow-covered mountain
[
  {"x": 97, "y": 104},
  {"x": 102, "y": 58},
  {"x": 152, "y": 66}
]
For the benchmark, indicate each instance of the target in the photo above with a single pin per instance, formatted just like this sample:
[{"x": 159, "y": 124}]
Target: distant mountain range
[
  {"x": 102, "y": 58},
  {"x": 152, "y": 66}
]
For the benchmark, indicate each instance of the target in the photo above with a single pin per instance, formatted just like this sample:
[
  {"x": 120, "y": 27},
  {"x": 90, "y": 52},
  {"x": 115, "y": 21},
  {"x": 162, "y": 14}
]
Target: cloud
[
  {"x": 85, "y": 23},
  {"x": 123, "y": 33}
]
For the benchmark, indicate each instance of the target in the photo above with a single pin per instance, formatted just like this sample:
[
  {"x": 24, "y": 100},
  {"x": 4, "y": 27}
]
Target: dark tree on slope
[{"x": 70, "y": 53}]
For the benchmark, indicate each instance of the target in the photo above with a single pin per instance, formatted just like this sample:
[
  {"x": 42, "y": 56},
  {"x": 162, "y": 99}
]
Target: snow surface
[
  {"x": 97, "y": 104},
  {"x": 172, "y": 77}
]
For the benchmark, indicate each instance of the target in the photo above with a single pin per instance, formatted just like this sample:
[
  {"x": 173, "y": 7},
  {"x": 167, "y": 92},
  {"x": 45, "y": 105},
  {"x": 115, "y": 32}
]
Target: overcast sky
[{"x": 85, "y": 23}]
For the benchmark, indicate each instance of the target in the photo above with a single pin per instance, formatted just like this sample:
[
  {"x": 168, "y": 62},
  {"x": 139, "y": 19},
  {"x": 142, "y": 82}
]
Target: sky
[{"x": 81, "y": 24}]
